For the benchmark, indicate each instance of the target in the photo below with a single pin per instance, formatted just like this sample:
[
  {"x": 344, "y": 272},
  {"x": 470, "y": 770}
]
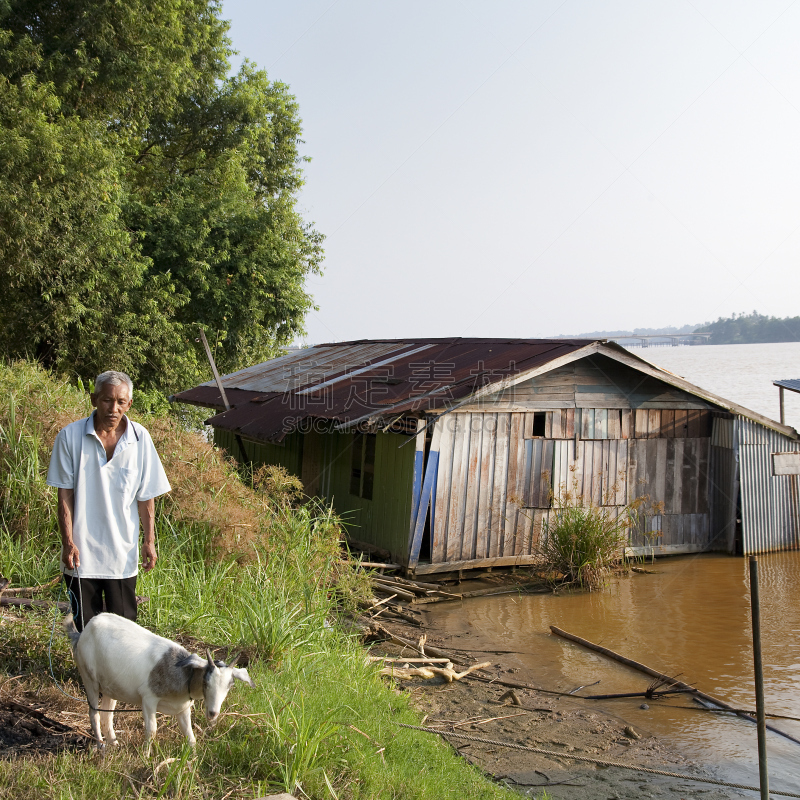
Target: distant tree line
[
  {"x": 143, "y": 190},
  {"x": 751, "y": 328}
]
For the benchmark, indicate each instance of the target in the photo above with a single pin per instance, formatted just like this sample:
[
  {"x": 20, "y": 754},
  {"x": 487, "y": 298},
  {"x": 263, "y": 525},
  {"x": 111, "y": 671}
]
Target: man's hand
[
  {"x": 70, "y": 555},
  {"x": 147, "y": 514},
  {"x": 149, "y": 556}
]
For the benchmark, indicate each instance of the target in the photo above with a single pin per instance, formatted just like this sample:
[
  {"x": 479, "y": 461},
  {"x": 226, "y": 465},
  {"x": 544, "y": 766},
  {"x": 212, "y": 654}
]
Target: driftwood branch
[
  {"x": 655, "y": 674},
  {"x": 447, "y": 672}
]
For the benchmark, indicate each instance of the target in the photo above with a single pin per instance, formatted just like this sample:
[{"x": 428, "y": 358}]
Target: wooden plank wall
[
  {"x": 593, "y": 382},
  {"x": 496, "y": 481},
  {"x": 672, "y": 476}
]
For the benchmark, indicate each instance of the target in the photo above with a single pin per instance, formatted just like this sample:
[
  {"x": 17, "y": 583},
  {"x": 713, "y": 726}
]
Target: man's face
[{"x": 111, "y": 403}]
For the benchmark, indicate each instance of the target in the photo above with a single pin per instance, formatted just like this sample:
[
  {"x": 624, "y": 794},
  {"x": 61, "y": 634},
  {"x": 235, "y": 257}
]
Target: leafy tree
[
  {"x": 143, "y": 190},
  {"x": 750, "y": 328}
]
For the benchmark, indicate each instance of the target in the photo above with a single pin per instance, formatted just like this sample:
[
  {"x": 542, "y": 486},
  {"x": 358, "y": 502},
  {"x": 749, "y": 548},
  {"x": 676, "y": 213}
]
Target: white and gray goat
[{"x": 120, "y": 660}]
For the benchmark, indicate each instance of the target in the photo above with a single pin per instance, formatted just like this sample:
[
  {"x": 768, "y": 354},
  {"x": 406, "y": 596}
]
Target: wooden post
[
  {"x": 780, "y": 401},
  {"x": 221, "y": 389},
  {"x": 761, "y": 719}
]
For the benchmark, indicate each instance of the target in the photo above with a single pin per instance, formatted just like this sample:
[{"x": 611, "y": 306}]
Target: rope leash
[{"x": 589, "y": 759}]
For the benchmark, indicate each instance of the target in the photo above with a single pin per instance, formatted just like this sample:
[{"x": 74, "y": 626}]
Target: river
[{"x": 691, "y": 618}]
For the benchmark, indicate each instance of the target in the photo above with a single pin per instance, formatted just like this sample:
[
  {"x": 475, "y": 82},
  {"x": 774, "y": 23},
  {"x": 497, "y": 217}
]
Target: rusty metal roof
[
  {"x": 349, "y": 381},
  {"x": 378, "y": 381}
]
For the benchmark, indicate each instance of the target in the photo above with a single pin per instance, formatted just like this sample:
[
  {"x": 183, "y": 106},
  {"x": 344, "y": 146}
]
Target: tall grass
[
  {"x": 582, "y": 543},
  {"x": 239, "y": 569}
]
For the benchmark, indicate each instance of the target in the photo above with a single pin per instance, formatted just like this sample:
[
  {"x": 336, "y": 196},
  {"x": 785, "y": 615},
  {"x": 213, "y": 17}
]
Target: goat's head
[{"x": 218, "y": 678}]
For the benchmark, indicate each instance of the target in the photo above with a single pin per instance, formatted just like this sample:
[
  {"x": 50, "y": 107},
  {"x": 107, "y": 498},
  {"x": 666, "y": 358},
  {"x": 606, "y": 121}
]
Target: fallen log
[
  {"x": 24, "y": 602},
  {"x": 395, "y": 590},
  {"x": 666, "y": 678},
  {"x": 391, "y": 612}
]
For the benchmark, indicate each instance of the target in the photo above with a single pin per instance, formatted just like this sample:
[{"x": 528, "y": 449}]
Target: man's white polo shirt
[{"x": 105, "y": 520}]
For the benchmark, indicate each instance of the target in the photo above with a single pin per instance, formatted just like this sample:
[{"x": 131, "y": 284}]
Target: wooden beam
[{"x": 500, "y": 561}]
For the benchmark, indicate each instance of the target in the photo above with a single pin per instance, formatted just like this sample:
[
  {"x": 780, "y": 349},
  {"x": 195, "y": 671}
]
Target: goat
[{"x": 120, "y": 660}]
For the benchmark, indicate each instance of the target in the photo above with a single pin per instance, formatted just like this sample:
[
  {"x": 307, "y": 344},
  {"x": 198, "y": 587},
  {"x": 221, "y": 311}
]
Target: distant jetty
[{"x": 662, "y": 339}]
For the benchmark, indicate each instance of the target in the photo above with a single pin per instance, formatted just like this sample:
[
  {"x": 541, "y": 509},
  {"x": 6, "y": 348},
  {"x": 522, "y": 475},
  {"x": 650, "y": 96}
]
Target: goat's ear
[
  {"x": 193, "y": 660},
  {"x": 241, "y": 675}
]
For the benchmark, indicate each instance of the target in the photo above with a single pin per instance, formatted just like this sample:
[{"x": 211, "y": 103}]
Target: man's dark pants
[{"x": 119, "y": 595}]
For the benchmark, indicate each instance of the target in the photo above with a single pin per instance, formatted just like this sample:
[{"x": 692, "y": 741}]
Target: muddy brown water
[{"x": 691, "y": 619}]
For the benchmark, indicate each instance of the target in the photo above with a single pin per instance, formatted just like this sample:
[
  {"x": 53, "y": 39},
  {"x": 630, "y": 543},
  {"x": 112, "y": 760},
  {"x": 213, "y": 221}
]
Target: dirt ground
[{"x": 547, "y": 722}]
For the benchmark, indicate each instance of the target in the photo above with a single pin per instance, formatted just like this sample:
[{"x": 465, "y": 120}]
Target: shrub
[{"x": 582, "y": 542}]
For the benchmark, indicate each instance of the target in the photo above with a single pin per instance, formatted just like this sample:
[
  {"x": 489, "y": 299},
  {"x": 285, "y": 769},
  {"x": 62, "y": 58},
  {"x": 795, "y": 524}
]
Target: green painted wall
[
  {"x": 288, "y": 455},
  {"x": 323, "y": 462}
]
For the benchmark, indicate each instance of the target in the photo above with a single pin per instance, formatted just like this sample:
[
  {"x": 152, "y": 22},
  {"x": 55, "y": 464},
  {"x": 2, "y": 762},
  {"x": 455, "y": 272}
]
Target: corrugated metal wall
[
  {"x": 770, "y": 504},
  {"x": 723, "y": 484}
]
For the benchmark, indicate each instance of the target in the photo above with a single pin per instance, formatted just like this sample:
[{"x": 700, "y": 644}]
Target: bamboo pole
[{"x": 655, "y": 674}]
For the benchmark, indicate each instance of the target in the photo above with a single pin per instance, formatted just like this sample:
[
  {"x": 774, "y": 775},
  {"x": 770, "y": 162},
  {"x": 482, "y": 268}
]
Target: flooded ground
[{"x": 691, "y": 618}]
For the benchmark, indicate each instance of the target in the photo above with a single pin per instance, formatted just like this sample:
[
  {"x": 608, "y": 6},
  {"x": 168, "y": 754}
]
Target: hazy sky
[{"x": 532, "y": 168}]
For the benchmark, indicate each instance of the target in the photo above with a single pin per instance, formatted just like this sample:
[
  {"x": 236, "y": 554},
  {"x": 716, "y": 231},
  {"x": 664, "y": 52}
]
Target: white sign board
[{"x": 786, "y": 463}]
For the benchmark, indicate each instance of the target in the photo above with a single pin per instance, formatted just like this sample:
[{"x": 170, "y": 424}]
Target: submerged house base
[{"x": 453, "y": 454}]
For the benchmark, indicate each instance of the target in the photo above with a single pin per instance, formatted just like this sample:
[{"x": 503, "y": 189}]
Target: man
[{"x": 108, "y": 474}]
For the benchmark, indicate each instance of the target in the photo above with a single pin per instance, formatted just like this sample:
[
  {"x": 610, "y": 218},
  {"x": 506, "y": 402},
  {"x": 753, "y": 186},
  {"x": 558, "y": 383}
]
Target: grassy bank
[{"x": 241, "y": 569}]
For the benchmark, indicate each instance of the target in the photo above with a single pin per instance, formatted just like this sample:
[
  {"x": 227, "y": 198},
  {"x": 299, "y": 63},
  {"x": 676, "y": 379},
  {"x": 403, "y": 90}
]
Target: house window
[
  {"x": 535, "y": 425},
  {"x": 362, "y": 472}
]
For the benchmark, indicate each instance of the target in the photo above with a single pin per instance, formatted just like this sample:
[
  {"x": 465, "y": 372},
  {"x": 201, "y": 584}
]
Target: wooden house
[{"x": 448, "y": 454}]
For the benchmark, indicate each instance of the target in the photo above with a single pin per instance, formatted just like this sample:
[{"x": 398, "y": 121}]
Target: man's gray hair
[{"x": 115, "y": 379}]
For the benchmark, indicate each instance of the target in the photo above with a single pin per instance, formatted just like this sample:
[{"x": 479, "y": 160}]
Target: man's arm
[
  {"x": 147, "y": 514},
  {"x": 66, "y": 505}
]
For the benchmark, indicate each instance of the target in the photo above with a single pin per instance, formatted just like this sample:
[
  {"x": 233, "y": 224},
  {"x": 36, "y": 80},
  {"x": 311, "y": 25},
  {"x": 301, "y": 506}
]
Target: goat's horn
[
  {"x": 210, "y": 659},
  {"x": 235, "y": 660}
]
